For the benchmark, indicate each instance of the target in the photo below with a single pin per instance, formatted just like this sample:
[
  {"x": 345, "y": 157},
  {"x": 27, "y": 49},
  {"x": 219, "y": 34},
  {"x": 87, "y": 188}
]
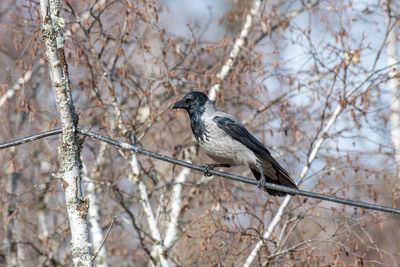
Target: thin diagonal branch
[
  {"x": 237, "y": 46},
  {"x": 104, "y": 240}
]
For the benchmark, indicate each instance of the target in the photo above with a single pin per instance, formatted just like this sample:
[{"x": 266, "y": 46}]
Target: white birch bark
[
  {"x": 176, "y": 206},
  {"x": 394, "y": 87},
  {"x": 19, "y": 84},
  {"x": 94, "y": 217},
  {"x": 151, "y": 220},
  {"x": 42, "y": 214},
  {"x": 96, "y": 230},
  {"x": 16, "y": 87},
  {"x": 158, "y": 249},
  {"x": 9, "y": 222},
  {"x": 69, "y": 150},
  {"x": 237, "y": 46}
]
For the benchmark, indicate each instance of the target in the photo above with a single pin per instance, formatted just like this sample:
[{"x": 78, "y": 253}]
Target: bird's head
[{"x": 191, "y": 102}]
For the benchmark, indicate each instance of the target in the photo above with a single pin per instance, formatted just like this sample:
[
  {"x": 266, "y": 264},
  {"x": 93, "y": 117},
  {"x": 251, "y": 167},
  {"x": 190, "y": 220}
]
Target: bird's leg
[
  {"x": 263, "y": 180},
  {"x": 208, "y": 167}
]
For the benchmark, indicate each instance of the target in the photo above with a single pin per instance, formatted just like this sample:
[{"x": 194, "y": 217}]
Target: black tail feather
[{"x": 282, "y": 180}]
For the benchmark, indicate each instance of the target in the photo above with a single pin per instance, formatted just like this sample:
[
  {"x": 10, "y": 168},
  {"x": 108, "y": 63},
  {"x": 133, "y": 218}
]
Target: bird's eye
[{"x": 188, "y": 100}]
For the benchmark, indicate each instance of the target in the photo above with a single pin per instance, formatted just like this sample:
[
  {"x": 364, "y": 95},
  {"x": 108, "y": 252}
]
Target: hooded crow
[{"x": 228, "y": 143}]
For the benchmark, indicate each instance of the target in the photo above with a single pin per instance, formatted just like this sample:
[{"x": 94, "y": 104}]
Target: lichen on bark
[{"x": 70, "y": 147}]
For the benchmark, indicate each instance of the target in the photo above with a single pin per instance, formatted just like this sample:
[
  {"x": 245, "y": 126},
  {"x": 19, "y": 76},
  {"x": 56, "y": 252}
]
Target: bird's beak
[{"x": 179, "y": 104}]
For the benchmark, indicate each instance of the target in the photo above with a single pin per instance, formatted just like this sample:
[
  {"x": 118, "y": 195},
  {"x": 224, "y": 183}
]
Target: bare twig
[{"x": 104, "y": 240}]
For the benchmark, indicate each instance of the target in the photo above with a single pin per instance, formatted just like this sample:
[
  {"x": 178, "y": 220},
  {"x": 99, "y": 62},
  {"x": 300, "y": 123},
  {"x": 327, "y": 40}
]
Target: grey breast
[{"x": 222, "y": 148}]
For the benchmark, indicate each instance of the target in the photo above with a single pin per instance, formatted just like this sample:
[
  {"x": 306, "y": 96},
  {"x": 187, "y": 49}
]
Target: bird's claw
[
  {"x": 261, "y": 183},
  {"x": 207, "y": 168}
]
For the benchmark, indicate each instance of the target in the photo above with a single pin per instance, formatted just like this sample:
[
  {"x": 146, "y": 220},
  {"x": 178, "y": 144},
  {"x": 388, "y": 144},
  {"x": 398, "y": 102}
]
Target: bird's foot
[
  {"x": 261, "y": 182},
  {"x": 208, "y": 167}
]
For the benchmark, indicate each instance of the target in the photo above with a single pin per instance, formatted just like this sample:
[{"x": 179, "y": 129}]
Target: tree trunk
[{"x": 69, "y": 150}]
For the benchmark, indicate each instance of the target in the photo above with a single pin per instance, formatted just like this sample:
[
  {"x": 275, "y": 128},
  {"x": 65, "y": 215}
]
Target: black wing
[{"x": 240, "y": 133}]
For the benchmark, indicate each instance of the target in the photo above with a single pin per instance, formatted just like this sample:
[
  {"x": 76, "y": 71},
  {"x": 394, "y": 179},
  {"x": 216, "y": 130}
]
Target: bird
[{"x": 226, "y": 141}]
